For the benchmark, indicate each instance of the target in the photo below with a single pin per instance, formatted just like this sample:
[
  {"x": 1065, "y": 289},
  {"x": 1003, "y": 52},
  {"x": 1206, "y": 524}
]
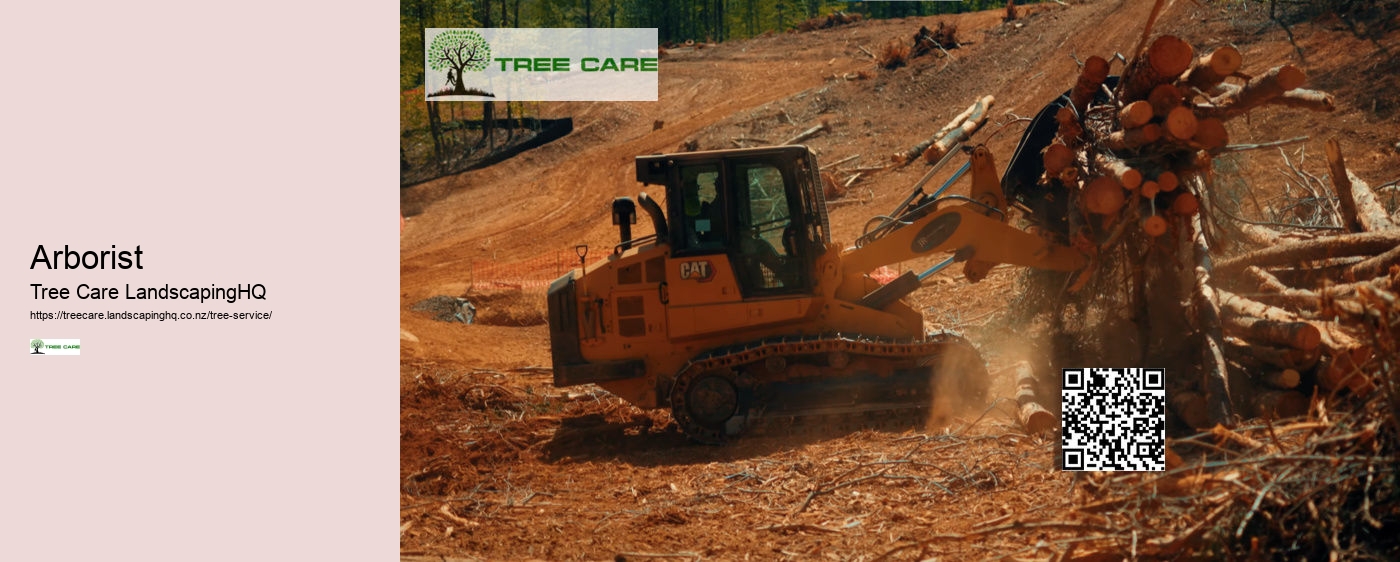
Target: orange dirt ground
[{"x": 499, "y": 465}]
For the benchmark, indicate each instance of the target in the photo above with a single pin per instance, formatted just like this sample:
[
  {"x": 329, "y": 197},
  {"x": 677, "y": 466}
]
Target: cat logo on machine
[{"x": 700, "y": 271}]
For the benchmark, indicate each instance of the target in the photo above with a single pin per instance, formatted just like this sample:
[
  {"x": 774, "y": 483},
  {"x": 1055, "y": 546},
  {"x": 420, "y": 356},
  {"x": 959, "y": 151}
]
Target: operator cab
[{"x": 761, "y": 207}]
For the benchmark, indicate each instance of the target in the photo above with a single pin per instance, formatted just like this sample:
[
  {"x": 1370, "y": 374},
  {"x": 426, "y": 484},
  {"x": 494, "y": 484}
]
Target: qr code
[{"x": 1114, "y": 419}]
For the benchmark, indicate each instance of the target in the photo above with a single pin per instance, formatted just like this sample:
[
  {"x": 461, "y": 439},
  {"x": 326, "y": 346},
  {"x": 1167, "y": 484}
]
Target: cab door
[{"x": 738, "y": 264}]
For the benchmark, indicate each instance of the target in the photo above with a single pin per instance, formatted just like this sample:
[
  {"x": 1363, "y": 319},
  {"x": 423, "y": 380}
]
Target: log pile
[
  {"x": 1299, "y": 489},
  {"x": 1273, "y": 326}
]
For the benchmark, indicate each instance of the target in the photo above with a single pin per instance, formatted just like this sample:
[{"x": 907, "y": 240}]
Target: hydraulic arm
[{"x": 974, "y": 228}]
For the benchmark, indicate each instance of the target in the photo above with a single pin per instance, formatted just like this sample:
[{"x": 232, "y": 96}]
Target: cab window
[
  {"x": 702, "y": 214},
  {"x": 766, "y": 241}
]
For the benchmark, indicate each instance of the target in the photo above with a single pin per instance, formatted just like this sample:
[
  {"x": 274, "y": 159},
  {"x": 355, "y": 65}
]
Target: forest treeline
[{"x": 675, "y": 20}]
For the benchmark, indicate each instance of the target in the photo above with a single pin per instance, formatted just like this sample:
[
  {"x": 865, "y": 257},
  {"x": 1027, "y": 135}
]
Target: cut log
[
  {"x": 1235, "y": 305},
  {"x": 1297, "y": 335},
  {"x": 1274, "y": 292},
  {"x": 1166, "y": 58},
  {"x": 962, "y": 132},
  {"x": 1091, "y": 78},
  {"x": 1206, "y": 302},
  {"x": 1130, "y": 139},
  {"x": 1360, "y": 209},
  {"x": 1264, "y": 236},
  {"x": 1260, "y": 357},
  {"x": 1342, "y": 371},
  {"x": 1212, "y": 69},
  {"x": 1129, "y": 177},
  {"x": 1164, "y": 98},
  {"x": 1258, "y": 91},
  {"x": 1279, "y": 404},
  {"x": 1283, "y": 379},
  {"x": 1185, "y": 204},
  {"x": 1135, "y": 114},
  {"x": 1057, "y": 157},
  {"x": 1306, "y": 99},
  {"x": 1334, "y": 341},
  {"x": 1154, "y": 226},
  {"x": 1375, "y": 266},
  {"x": 1034, "y": 417},
  {"x": 1313, "y": 275},
  {"x": 1167, "y": 181},
  {"x": 1181, "y": 123},
  {"x": 1211, "y": 134},
  {"x": 1070, "y": 132},
  {"x": 908, "y": 156},
  {"x": 1312, "y": 100},
  {"x": 1103, "y": 196},
  {"x": 809, "y": 133},
  {"x": 1190, "y": 407},
  {"x": 1343, "y": 245}
]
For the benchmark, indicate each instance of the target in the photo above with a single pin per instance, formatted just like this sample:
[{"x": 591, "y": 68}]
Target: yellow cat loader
[{"x": 739, "y": 306}]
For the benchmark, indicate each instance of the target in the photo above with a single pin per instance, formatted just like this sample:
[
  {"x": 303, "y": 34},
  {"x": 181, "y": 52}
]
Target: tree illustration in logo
[
  {"x": 36, "y": 344},
  {"x": 458, "y": 51}
]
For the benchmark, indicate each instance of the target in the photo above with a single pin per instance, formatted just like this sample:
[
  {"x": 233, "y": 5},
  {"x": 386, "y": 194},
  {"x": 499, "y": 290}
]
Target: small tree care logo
[
  {"x": 51, "y": 347},
  {"x": 457, "y": 51}
]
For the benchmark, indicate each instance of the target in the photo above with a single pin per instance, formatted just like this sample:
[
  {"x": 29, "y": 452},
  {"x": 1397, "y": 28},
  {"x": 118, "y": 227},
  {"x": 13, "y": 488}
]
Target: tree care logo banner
[
  {"x": 501, "y": 64},
  {"x": 50, "y": 346}
]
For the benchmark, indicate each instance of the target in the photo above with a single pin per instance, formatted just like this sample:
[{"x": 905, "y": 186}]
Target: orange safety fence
[{"x": 531, "y": 274}]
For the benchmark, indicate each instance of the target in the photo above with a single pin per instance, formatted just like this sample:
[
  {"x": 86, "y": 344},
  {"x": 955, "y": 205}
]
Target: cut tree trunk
[
  {"x": 1103, "y": 196},
  {"x": 1283, "y": 379},
  {"x": 1333, "y": 340},
  {"x": 1166, "y": 58},
  {"x": 1057, "y": 157},
  {"x": 1375, "y": 266},
  {"x": 1208, "y": 71},
  {"x": 1190, "y": 406},
  {"x": 1214, "y": 381},
  {"x": 1128, "y": 176},
  {"x": 1360, "y": 209},
  {"x": 1344, "y": 245},
  {"x": 1264, "y": 236},
  {"x": 1070, "y": 132},
  {"x": 1130, "y": 139},
  {"x": 1034, "y": 417},
  {"x": 1211, "y": 134},
  {"x": 1135, "y": 114},
  {"x": 1260, "y": 357},
  {"x": 1278, "y": 404},
  {"x": 1185, "y": 204},
  {"x": 1274, "y": 292},
  {"x": 1258, "y": 91},
  {"x": 1181, "y": 123},
  {"x": 1343, "y": 371},
  {"x": 1297, "y": 335},
  {"x": 1163, "y": 99},
  {"x": 1307, "y": 99},
  {"x": 809, "y": 133},
  {"x": 977, "y": 111},
  {"x": 962, "y": 132},
  {"x": 1091, "y": 78}
]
